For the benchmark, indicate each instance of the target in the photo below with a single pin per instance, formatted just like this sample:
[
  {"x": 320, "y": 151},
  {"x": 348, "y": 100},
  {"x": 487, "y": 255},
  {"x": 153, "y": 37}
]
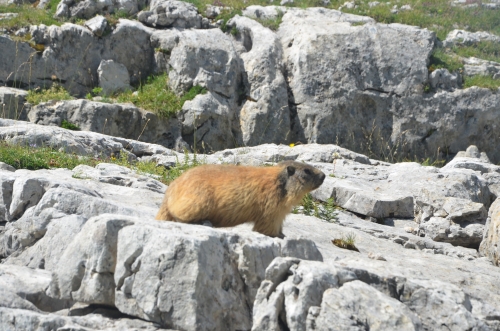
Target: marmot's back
[{"x": 228, "y": 195}]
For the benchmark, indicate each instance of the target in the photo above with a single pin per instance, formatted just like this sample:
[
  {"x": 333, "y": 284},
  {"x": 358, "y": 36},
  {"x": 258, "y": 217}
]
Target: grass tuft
[
  {"x": 33, "y": 157},
  {"x": 69, "y": 126},
  {"x": 326, "y": 211},
  {"x": 156, "y": 96},
  {"x": 56, "y": 92},
  {"x": 482, "y": 81}
]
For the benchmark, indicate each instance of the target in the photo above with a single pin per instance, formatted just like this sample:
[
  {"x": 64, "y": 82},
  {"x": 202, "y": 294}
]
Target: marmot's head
[{"x": 300, "y": 178}]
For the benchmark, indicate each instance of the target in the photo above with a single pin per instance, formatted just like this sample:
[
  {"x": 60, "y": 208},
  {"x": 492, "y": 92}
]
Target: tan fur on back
[{"x": 229, "y": 195}]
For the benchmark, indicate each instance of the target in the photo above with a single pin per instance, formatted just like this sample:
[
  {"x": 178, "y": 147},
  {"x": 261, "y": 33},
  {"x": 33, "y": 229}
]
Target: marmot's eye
[{"x": 308, "y": 172}]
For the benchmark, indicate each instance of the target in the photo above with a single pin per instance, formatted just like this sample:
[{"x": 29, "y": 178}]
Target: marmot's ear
[{"x": 290, "y": 170}]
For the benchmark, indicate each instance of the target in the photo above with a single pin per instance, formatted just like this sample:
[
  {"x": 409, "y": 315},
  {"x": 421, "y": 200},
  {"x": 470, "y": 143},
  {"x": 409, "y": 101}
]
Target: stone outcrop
[
  {"x": 491, "y": 241},
  {"x": 105, "y": 259}
]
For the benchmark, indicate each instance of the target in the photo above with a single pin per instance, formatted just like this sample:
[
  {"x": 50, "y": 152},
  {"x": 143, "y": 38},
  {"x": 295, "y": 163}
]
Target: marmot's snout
[{"x": 321, "y": 178}]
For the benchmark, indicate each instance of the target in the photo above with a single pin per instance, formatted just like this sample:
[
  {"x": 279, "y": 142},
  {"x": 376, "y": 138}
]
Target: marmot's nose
[{"x": 322, "y": 178}]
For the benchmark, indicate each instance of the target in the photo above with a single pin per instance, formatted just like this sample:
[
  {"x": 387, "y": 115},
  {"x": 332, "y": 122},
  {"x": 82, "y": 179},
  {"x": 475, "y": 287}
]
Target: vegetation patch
[
  {"x": 443, "y": 59},
  {"x": 69, "y": 126},
  {"x": 347, "y": 242},
  {"x": 486, "y": 50},
  {"x": 29, "y": 15},
  {"x": 273, "y": 24},
  {"x": 482, "y": 81},
  {"x": 156, "y": 96},
  {"x": 311, "y": 207},
  {"x": 56, "y": 92},
  {"x": 33, "y": 157}
]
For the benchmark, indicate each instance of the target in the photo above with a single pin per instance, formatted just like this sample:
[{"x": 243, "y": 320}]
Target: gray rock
[
  {"x": 171, "y": 13},
  {"x": 70, "y": 55},
  {"x": 62, "y": 197},
  {"x": 13, "y": 103},
  {"x": 87, "y": 9},
  {"x": 120, "y": 120},
  {"x": 291, "y": 292},
  {"x": 443, "y": 79},
  {"x": 155, "y": 264},
  {"x": 455, "y": 306},
  {"x": 265, "y": 116},
  {"x": 24, "y": 288},
  {"x": 474, "y": 66},
  {"x": 358, "y": 306},
  {"x": 424, "y": 131},
  {"x": 19, "y": 319},
  {"x": 113, "y": 77},
  {"x": 490, "y": 244},
  {"x": 6, "y": 185},
  {"x": 468, "y": 38},
  {"x": 332, "y": 101},
  {"x": 97, "y": 25}
]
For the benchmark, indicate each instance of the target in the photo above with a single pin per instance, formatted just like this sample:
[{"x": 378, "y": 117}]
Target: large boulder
[
  {"x": 164, "y": 272},
  {"x": 13, "y": 103},
  {"x": 491, "y": 242},
  {"x": 70, "y": 56},
  {"x": 171, "y": 13},
  {"x": 342, "y": 76},
  {"x": 119, "y": 120},
  {"x": 265, "y": 115}
]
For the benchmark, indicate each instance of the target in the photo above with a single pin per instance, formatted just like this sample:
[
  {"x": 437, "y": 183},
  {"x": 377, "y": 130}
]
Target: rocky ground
[
  {"x": 81, "y": 249},
  {"x": 324, "y": 76}
]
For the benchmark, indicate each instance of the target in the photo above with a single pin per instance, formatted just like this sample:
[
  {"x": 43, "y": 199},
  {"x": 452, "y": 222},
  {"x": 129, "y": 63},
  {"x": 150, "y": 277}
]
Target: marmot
[{"x": 229, "y": 195}]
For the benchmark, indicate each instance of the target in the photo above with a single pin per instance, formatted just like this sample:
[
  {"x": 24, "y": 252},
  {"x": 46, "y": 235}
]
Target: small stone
[
  {"x": 97, "y": 25},
  {"x": 376, "y": 256}
]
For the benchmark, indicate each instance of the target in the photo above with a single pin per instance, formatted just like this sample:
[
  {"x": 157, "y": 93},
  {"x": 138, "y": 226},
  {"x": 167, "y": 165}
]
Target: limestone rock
[
  {"x": 443, "y": 79},
  {"x": 24, "y": 288},
  {"x": 490, "y": 244},
  {"x": 97, "y": 25},
  {"x": 328, "y": 95},
  {"x": 119, "y": 120},
  {"x": 171, "y": 13},
  {"x": 264, "y": 116},
  {"x": 113, "y": 77},
  {"x": 468, "y": 38},
  {"x": 358, "y": 306},
  {"x": 13, "y": 103},
  {"x": 474, "y": 66},
  {"x": 154, "y": 265}
]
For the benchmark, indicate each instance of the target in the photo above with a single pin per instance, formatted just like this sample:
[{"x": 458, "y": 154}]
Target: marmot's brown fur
[{"x": 228, "y": 195}]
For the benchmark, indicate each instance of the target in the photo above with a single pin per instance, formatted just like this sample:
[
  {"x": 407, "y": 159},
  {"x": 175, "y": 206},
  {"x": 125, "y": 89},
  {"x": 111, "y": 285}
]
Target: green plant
[
  {"x": 69, "y": 126},
  {"x": 486, "y": 50},
  {"x": 156, "y": 96},
  {"x": 34, "y": 157},
  {"x": 28, "y": 15},
  {"x": 441, "y": 58},
  {"x": 55, "y": 92},
  {"x": 326, "y": 211},
  {"x": 346, "y": 241},
  {"x": 273, "y": 24},
  {"x": 482, "y": 81}
]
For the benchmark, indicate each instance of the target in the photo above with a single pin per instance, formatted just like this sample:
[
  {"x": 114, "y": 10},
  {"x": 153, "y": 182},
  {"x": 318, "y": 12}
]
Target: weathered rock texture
[
  {"x": 348, "y": 80},
  {"x": 491, "y": 241},
  {"x": 97, "y": 257}
]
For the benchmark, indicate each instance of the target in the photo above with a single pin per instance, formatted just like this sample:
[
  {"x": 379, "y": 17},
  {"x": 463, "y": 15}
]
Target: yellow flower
[{"x": 292, "y": 145}]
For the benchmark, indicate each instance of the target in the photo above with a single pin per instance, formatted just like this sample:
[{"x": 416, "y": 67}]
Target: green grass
[
  {"x": 56, "y": 92},
  {"x": 272, "y": 24},
  {"x": 69, "y": 126},
  {"x": 34, "y": 157},
  {"x": 156, "y": 96},
  {"x": 441, "y": 58},
  {"x": 324, "y": 210},
  {"x": 485, "y": 50},
  {"x": 28, "y": 15},
  {"x": 482, "y": 81}
]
